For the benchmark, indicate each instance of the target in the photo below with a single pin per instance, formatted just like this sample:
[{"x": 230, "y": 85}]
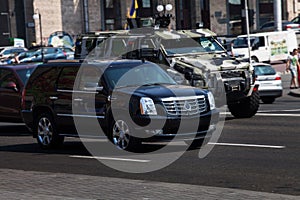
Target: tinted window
[
  {"x": 7, "y": 76},
  {"x": 89, "y": 77},
  {"x": 137, "y": 76},
  {"x": 44, "y": 77},
  {"x": 242, "y": 42},
  {"x": 264, "y": 70},
  {"x": 67, "y": 78}
]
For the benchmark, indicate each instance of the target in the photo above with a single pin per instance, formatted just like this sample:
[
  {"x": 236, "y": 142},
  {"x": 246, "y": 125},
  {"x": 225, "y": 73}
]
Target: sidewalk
[
  {"x": 295, "y": 92},
  {"x": 17, "y": 184}
]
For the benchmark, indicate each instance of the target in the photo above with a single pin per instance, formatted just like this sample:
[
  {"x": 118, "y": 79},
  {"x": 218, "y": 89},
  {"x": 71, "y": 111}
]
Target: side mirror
[
  {"x": 191, "y": 76},
  {"x": 148, "y": 52},
  {"x": 11, "y": 85}
]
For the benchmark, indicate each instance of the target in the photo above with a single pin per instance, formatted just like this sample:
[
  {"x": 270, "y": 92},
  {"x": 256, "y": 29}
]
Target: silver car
[{"x": 269, "y": 81}]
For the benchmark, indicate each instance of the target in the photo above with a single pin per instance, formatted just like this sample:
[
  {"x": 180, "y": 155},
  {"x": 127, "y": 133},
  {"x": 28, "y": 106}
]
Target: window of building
[
  {"x": 109, "y": 4},
  {"x": 146, "y": 3}
]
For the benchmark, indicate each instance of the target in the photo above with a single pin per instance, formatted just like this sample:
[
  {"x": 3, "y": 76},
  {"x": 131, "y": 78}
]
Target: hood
[
  {"x": 211, "y": 62},
  {"x": 161, "y": 91}
]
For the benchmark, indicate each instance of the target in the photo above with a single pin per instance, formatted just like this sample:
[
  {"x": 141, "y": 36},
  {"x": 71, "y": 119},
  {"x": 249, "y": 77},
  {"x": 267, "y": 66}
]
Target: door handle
[
  {"x": 53, "y": 98},
  {"x": 78, "y": 100}
]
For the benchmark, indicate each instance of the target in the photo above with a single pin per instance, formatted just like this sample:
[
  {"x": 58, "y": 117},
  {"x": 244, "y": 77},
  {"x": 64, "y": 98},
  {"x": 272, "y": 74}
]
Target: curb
[{"x": 294, "y": 93}]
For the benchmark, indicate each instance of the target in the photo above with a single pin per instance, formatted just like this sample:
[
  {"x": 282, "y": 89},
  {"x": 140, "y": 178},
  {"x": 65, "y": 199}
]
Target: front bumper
[
  {"x": 179, "y": 129},
  {"x": 270, "y": 93}
]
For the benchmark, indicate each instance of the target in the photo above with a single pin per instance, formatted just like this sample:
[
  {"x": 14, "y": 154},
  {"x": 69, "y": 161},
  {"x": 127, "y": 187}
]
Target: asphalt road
[{"x": 257, "y": 154}]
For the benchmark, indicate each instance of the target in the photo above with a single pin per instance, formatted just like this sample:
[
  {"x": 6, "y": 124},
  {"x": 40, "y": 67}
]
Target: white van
[{"x": 266, "y": 47}]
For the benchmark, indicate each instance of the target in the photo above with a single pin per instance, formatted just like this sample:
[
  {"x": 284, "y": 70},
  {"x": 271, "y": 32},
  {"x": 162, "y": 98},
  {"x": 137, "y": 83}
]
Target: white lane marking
[
  {"x": 272, "y": 114},
  {"x": 266, "y": 111},
  {"x": 277, "y": 115},
  {"x": 248, "y": 145},
  {"x": 111, "y": 158}
]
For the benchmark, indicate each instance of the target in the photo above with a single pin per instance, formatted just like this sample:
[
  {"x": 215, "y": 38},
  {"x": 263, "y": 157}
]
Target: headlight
[
  {"x": 211, "y": 100},
  {"x": 147, "y": 106}
]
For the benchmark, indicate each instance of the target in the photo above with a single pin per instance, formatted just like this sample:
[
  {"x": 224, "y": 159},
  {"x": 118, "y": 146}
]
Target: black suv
[{"x": 129, "y": 98}]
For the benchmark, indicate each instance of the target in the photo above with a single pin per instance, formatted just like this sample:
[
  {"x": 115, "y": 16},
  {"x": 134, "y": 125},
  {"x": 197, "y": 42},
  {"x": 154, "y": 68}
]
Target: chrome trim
[
  {"x": 185, "y": 106},
  {"x": 53, "y": 98},
  {"x": 183, "y": 98},
  {"x": 78, "y": 91},
  {"x": 86, "y": 116}
]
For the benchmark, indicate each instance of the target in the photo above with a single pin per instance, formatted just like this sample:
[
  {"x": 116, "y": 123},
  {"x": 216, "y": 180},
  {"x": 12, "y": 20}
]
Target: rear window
[
  {"x": 264, "y": 70},
  {"x": 24, "y": 74}
]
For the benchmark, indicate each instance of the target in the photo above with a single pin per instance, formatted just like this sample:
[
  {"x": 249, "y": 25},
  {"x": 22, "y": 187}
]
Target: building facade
[{"x": 225, "y": 17}]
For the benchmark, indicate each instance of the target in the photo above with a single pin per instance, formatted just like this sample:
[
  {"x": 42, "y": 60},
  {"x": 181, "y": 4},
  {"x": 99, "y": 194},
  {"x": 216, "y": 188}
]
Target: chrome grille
[{"x": 185, "y": 105}]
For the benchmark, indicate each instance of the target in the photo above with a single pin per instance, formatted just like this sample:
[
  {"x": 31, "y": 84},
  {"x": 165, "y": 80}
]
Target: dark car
[
  {"x": 45, "y": 54},
  {"x": 286, "y": 25},
  {"x": 296, "y": 20},
  {"x": 129, "y": 99},
  {"x": 12, "y": 81}
]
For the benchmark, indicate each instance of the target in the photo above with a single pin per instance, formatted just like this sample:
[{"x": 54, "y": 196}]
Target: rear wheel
[
  {"x": 245, "y": 108},
  {"x": 194, "y": 144},
  {"x": 47, "y": 136}
]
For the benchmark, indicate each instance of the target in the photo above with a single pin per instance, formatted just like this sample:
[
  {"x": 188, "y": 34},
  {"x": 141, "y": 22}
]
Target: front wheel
[
  {"x": 47, "y": 136},
  {"x": 121, "y": 135},
  {"x": 246, "y": 107}
]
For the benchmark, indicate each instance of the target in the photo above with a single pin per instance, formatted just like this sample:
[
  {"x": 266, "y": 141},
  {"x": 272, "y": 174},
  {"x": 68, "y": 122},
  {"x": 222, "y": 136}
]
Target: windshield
[
  {"x": 242, "y": 42},
  {"x": 191, "y": 46},
  {"x": 145, "y": 74}
]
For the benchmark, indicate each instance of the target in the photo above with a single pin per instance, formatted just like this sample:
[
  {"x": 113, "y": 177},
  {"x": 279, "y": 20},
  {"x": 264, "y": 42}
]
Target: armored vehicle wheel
[
  {"x": 245, "y": 108},
  {"x": 195, "y": 144}
]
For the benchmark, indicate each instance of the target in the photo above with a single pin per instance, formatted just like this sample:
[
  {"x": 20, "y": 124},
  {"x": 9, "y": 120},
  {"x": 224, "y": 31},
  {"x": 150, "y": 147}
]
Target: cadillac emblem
[{"x": 187, "y": 106}]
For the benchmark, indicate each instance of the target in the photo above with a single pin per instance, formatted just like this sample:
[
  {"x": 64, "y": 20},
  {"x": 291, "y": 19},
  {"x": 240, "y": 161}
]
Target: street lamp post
[
  {"x": 37, "y": 16},
  {"x": 163, "y": 19}
]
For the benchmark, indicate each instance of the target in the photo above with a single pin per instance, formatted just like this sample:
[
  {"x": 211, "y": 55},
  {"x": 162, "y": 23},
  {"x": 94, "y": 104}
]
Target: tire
[
  {"x": 268, "y": 100},
  {"x": 120, "y": 135},
  {"x": 194, "y": 144},
  {"x": 254, "y": 59},
  {"x": 245, "y": 108},
  {"x": 47, "y": 136}
]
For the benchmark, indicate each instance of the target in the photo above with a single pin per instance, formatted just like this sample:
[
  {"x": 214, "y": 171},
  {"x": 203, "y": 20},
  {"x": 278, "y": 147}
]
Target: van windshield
[{"x": 242, "y": 42}]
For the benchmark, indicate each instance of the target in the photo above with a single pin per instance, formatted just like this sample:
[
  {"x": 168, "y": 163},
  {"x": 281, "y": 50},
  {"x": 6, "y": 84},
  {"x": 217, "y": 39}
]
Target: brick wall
[{"x": 218, "y": 16}]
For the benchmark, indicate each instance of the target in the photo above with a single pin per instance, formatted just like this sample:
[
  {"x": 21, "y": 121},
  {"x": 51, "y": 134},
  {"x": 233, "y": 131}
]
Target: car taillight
[{"x": 278, "y": 78}]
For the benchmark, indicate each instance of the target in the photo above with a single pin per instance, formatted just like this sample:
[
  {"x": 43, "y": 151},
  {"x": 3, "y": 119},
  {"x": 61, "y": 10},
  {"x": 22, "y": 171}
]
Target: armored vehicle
[{"x": 197, "y": 57}]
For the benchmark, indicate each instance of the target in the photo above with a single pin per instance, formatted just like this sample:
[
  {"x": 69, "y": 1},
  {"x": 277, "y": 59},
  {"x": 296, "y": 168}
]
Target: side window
[
  {"x": 89, "y": 77},
  {"x": 262, "y": 41},
  {"x": 7, "y": 76},
  {"x": 67, "y": 78}
]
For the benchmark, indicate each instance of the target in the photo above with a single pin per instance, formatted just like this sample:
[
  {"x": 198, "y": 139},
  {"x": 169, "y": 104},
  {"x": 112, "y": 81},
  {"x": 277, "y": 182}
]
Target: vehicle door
[
  {"x": 261, "y": 49},
  {"x": 10, "y": 94},
  {"x": 89, "y": 101},
  {"x": 63, "y": 100}
]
